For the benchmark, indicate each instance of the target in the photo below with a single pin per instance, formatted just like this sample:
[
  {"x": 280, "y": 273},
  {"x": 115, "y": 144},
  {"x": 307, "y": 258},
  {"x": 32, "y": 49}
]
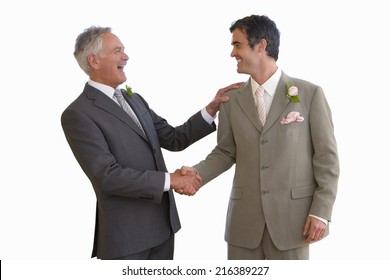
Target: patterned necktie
[
  {"x": 126, "y": 107},
  {"x": 261, "y": 104}
]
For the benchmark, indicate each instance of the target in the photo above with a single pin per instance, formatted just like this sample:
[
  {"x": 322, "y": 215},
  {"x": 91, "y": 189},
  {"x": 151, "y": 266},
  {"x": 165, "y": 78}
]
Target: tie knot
[
  {"x": 118, "y": 93},
  {"x": 260, "y": 91}
]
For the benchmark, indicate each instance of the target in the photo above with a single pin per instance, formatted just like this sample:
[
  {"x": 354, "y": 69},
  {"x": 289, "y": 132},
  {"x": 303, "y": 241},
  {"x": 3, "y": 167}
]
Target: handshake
[{"x": 186, "y": 180}]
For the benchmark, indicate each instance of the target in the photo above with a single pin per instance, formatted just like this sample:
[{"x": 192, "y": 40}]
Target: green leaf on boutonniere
[
  {"x": 295, "y": 99},
  {"x": 129, "y": 90}
]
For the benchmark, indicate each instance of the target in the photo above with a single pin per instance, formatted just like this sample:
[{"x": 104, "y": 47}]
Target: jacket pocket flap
[{"x": 304, "y": 191}]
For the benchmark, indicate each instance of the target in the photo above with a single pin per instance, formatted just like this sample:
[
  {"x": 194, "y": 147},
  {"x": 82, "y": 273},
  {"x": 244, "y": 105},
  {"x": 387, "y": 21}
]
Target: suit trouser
[
  {"x": 267, "y": 251},
  {"x": 164, "y": 251}
]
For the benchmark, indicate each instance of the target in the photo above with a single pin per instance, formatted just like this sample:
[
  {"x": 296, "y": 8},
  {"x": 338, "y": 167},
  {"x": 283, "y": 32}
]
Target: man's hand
[
  {"x": 213, "y": 107},
  {"x": 186, "y": 170},
  {"x": 185, "y": 182},
  {"x": 314, "y": 229}
]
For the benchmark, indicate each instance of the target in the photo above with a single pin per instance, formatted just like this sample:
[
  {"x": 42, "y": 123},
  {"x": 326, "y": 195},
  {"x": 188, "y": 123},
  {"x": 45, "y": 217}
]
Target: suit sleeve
[
  {"x": 180, "y": 137},
  {"x": 325, "y": 159},
  {"x": 223, "y": 156}
]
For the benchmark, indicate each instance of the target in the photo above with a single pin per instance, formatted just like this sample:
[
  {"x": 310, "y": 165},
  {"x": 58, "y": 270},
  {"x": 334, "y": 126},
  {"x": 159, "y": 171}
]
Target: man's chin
[
  {"x": 124, "y": 79},
  {"x": 241, "y": 71}
]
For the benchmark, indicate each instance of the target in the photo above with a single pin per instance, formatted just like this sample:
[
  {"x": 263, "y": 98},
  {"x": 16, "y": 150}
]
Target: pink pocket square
[{"x": 292, "y": 117}]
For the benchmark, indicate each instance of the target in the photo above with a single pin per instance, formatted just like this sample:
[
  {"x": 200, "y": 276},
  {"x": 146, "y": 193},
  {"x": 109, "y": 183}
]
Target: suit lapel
[
  {"x": 247, "y": 103},
  {"x": 145, "y": 118},
  {"x": 279, "y": 103},
  {"x": 140, "y": 111},
  {"x": 108, "y": 105}
]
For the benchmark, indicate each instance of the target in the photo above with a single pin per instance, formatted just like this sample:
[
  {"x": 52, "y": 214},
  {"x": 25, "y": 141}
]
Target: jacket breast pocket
[
  {"x": 236, "y": 193},
  {"x": 304, "y": 191}
]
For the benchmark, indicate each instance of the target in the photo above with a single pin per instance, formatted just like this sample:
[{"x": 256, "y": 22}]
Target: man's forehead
[{"x": 239, "y": 37}]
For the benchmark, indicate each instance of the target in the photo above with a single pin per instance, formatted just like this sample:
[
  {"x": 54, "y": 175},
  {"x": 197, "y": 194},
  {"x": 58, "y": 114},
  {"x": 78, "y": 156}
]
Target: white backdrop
[{"x": 179, "y": 57}]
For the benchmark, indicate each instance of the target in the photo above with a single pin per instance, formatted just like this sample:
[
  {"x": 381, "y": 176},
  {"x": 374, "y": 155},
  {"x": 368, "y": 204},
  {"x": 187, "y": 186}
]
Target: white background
[{"x": 179, "y": 57}]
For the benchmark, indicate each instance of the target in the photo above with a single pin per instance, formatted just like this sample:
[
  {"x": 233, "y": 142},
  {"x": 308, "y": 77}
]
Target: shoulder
[
  {"x": 305, "y": 87},
  {"x": 233, "y": 93},
  {"x": 77, "y": 102},
  {"x": 83, "y": 102},
  {"x": 302, "y": 83}
]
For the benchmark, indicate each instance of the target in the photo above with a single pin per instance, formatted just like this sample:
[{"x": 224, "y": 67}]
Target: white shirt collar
[
  {"x": 269, "y": 85},
  {"x": 107, "y": 90}
]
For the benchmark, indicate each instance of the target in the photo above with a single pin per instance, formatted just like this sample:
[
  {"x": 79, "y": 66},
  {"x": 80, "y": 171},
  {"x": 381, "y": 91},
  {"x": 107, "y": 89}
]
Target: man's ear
[
  {"x": 262, "y": 45},
  {"x": 93, "y": 61}
]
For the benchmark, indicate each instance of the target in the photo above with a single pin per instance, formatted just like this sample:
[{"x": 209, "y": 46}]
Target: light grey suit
[
  {"x": 127, "y": 169},
  {"x": 282, "y": 172}
]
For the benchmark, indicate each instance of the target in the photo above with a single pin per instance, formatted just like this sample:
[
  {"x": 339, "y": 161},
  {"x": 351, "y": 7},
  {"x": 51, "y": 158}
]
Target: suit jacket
[
  {"x": 127, "y": 169},
  {"x": 282, "y": 172}
]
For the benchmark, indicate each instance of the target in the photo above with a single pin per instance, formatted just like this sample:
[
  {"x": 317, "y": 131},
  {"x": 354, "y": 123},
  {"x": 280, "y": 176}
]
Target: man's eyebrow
[{"x": 235, "y": 43}]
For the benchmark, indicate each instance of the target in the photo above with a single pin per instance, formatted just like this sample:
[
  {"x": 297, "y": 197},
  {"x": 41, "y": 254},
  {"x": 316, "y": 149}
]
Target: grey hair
[{"x": 87, "y": 43}]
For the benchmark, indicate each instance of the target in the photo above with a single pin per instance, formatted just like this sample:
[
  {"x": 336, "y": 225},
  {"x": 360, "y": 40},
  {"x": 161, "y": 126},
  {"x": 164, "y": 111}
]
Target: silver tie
[
  {"x": 261, "y": 104},
  {"x": 126, "y": 107}
]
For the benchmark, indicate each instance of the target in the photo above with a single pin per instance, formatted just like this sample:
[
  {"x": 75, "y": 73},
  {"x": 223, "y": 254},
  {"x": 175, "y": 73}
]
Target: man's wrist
[
  {"x": 325, "y": 221},
  {"x": 206, "y": 116}
]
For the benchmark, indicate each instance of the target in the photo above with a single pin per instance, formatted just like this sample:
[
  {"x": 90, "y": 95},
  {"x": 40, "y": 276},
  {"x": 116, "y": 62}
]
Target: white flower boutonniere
[
  {"x": 292, "y": 93},
  {"x": 129, "y": 91}
]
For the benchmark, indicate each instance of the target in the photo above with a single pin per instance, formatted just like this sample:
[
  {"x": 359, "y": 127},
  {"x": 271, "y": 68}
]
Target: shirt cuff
[
  {"x": 167, "y": 184},
  {"x": 321, "y": 219},
  {"x": 206, "y": 116}
]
